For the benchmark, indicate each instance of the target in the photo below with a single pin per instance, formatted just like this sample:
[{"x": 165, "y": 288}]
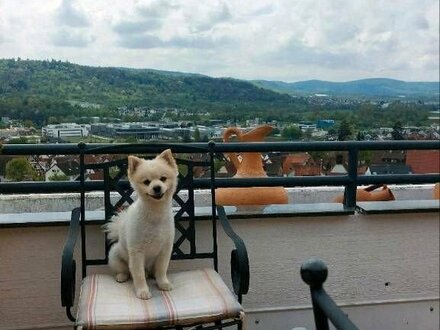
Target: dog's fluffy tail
[{"x": 112, "y": 228}]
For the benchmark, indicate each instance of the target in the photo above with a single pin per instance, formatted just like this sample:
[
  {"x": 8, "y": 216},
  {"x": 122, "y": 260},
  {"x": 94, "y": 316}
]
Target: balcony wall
[
  {"x": 384, "y": 269},
  {"x": 66, "y": 202}
]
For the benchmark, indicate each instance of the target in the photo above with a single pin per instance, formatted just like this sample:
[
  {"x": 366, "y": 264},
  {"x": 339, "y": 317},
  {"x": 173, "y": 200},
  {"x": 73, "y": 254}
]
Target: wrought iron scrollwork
[
  {"x": 68, "y": 265},
  {"x": 239, "y": 257}
]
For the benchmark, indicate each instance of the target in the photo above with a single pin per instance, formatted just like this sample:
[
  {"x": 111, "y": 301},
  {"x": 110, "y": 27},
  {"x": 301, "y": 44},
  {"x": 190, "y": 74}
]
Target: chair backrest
[{"x": 118, "y": 193}]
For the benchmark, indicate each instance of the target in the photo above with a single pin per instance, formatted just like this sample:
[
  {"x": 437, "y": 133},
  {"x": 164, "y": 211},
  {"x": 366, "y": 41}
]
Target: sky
[{"x": 287, "y": 40}]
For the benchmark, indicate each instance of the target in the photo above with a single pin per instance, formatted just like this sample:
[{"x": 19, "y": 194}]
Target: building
[
  {"x": 325, "y": 123},
  {"x": 140, "y": 131},
  {"x": 423, "y": 161},
  {"x": 65, "y": 130},
  {"x": 5, "y": 120},
  {"x": 389, "y": 168},
  {"x": 300, "y": 164},
  {"x": 63, "y": 167},
  {"x": 306, "y": 126}
]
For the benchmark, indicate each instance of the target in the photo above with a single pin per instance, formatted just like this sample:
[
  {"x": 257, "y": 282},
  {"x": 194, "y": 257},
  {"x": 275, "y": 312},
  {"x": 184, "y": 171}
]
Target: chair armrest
[
  {"x": 239, "y": 257},
  {"x": 68, "y": 264}
]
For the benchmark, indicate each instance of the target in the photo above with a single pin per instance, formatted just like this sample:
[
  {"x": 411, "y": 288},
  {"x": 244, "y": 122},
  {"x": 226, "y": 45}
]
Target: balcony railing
[{"x": 350, "y": 181}]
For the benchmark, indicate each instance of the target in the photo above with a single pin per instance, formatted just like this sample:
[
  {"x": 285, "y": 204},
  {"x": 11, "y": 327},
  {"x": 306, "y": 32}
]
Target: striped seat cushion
[{"x": 199, "y": 296}]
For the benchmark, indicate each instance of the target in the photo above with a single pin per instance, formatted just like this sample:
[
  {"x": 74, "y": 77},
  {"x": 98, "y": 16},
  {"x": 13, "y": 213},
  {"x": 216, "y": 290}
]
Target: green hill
[
  {"x": 54, "y": 91},
  {"x": 377, "y": 87},
  {"x": 56, "y": 83}
]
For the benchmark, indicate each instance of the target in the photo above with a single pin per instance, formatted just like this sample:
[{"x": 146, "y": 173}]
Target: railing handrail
[
  {"x": 205, "y": 183},
  {"x": 351, "y": 180},
  {"x": 73, "y": 148}
]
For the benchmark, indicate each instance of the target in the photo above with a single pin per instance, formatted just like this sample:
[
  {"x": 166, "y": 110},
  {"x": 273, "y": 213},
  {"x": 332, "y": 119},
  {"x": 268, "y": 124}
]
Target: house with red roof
[
  {"x": 423, "y": 161},
  {"x": 300, "y": 164}
]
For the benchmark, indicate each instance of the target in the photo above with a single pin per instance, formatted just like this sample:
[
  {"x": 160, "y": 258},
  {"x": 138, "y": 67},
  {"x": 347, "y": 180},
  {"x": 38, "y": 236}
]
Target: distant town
[
  {"x": 66, "y": 168},
  {"x": 161, "y": 125}
]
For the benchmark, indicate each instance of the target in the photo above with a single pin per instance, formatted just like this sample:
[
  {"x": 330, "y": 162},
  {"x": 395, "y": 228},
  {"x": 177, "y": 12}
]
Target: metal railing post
[
  {"x": 314, "y": 272},
  {"x": 81, "y": 147},
  {"x": 211, "y": 147},
  {"x": 350, "y": 189}
]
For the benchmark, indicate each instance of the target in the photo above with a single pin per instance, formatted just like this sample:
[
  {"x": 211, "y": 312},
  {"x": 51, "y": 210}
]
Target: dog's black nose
[{"x": 157, "y": 189}]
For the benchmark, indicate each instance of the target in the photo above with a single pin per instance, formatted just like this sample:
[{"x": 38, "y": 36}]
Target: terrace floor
[{"x": 383, "y": 259}]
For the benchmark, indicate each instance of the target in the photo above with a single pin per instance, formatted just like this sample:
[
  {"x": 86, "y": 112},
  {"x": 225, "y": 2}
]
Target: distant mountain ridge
[
  {"x": 363, "y": 87},
  {"x": 126, "y": 86}
]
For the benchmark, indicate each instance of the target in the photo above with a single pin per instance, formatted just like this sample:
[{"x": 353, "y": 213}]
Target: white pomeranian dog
[{"x": 144, "y": 232}]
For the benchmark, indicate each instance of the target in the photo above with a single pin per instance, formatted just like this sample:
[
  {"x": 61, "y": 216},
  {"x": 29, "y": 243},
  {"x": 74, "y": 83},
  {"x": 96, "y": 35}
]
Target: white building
[
  {"x": 63, "y": 167},
  {"x": 65, "y": 130},
  {"x": 307, "y": 126}
]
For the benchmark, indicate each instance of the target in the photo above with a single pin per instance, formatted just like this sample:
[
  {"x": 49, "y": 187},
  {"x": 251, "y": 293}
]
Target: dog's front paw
[
  {"x": 165, "y": 286},
  {"x": 143, "y": 293},
  {"x": 121, "y": 277}
]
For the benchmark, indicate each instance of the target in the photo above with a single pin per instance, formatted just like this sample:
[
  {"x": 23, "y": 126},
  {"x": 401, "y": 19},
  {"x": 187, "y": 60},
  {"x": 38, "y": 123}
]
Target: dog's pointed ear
[
  {"x": 133, "y": 163},
  {"x": 167, "y": 155}
]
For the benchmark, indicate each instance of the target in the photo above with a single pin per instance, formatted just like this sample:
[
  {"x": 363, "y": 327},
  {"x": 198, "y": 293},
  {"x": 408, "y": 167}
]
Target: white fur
[{"x": 144, "y": 233}]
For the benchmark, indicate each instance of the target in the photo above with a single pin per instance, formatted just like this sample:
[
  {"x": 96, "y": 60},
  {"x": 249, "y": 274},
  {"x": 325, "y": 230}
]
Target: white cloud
[
  {"x": 209, "y": 14},
  {"x": 156, "y": 8},
  {"x": 279, "y": 40},
  {"x": 131, "y": 27},
  {"x": 71, "y": 38},
  {"x": 69, "y": 14}
]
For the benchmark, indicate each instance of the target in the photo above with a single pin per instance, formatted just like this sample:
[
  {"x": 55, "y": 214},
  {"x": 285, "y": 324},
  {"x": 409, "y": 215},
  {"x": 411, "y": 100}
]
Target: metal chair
[{"x": 200, "y": 299}]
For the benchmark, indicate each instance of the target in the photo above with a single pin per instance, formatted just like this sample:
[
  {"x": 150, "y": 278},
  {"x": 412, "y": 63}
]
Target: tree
[
  {"x": 291, "y": 133},
  {"x": 19, "y": 169},
  {"x": 275, "y": 131},
  {"x": 332, "y": 131},
  {"x": 218, "y": 164},
  {"x": 360, "y": 136},
  {"x": 397, "y": 132},
  {"x": 308, "y": 134},
  {"x": 52, "y": 120},
  {"x": 58, "y": 177},
  {"x": 28, "y": 123},
  {"x": 197, "y": 135},
  {"x": 345, "y": 131},
  {"x": 19, "y": 140},
  {"x": 365, "y": 157}
]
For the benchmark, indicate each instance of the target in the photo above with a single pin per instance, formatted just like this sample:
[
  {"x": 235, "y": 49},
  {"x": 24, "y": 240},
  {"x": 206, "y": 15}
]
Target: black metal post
[
  {"x": 211, "y": 146},
  {"x": 81, "y": 147},
  {"x": 350, "y": 189},
  {"x": 314, "y": 272}
]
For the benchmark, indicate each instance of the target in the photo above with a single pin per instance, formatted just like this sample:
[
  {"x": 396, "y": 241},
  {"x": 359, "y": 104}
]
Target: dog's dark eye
[
  {"x": 147, "y": 182},
  {"x": 163, "y": 178}
]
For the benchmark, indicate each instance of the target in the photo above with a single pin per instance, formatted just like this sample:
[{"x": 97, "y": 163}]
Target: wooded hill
[
  {"x": 371, "y": 88},
  {"x": 54, "y": 82},
  {"x": 53, "y": 91}
]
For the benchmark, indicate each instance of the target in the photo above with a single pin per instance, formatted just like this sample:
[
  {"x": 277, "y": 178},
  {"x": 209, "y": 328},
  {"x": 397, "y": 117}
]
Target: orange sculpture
[
  {"x": 369, "y": 194},
  {"x": 436, "y": 192},
  {"x": 250, "y": 166}
]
